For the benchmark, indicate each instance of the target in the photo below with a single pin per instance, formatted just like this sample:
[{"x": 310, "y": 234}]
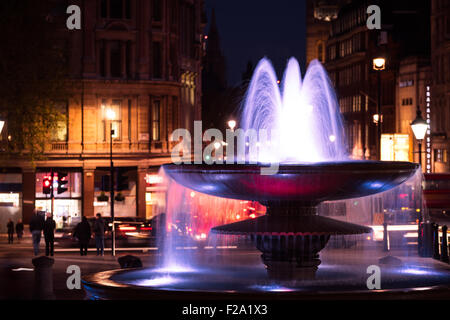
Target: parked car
[{"x": 130, "y": 232}]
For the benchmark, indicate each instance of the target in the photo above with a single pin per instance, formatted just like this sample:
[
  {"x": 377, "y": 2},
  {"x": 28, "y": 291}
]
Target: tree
[{"x": 33, "y": 77}]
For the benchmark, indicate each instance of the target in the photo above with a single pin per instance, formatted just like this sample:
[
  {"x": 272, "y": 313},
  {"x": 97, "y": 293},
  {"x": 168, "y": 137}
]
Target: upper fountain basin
[{"x": 314, "y": 183}]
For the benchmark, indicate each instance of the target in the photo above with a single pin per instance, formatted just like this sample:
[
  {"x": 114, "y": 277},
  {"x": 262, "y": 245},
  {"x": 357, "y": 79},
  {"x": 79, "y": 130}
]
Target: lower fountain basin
[{"x": 332, "y": 281}]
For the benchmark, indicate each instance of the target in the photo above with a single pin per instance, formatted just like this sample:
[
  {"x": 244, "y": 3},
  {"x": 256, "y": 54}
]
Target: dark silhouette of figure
[
  {"x": 36, "y": 227},
  {"x": 49, "y": 234},
  {"x": 99, "y": 230},
  {"x": 19, "y": 230},
  {"x": 10, "y": 226},
  {"x": 83, "y": 234}
]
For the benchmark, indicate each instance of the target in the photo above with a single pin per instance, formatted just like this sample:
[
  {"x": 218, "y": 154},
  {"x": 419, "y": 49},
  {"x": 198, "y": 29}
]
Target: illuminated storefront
[
  {"x": 10, "y": 198},
  {"x": 395, "y": 147},
  {"x": 67, "y": 206},
  {"x": 155, "y": 195},
  {"x": 125, "y": 186}
]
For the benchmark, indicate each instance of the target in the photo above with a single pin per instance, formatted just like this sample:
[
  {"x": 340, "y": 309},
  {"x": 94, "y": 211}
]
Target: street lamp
[
  {"x": 419, "y": 127},
  {"x": 232, "y": 124},
  {"x": 379, "y": 64},
  {"x": 111, "y": 115}
]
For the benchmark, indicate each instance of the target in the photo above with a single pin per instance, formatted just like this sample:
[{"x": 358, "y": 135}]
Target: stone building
[
  {"x": 140, "y": 59},
  {"x": 350, "y": 48},
  {"x": 440, "y": 92}
]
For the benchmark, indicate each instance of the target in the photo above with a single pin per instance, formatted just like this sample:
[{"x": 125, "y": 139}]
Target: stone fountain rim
[
  {"x": 118, "y": 291},
  {"x": 360, "y": 166}
]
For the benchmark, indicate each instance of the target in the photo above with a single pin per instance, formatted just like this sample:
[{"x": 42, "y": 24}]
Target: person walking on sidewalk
[
  {"x": 19, "y": 230},
  {"x": 36, "y": 227},
  {"x": 99, "y": 230},
  {"x": 49, "y": 234},
  {"x": 83, "y": 234},
  {"x": 10, "y": 227}
]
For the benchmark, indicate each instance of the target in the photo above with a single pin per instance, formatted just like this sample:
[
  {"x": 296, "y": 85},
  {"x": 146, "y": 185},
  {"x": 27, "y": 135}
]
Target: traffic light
[
  {"x": 62, "y": 182},
  {"x": 47, "y": 185}
]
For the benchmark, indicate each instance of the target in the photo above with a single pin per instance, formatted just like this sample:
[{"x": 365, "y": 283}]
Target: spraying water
[{"x": 304, "y": 118}]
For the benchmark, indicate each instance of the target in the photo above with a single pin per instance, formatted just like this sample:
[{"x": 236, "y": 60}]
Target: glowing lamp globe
[
  {"x": 379, "y": 63},
  {"x": 419, "y": 126}
]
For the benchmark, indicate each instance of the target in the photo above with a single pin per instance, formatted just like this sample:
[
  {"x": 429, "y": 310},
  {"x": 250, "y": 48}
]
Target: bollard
[
  {"x": 129, "y": 261},
  {"x": 436, "y": 254},
  {"x": 420, "y": 242},
  {"x": 427, "y": 241},
  {"x": 444, "y": 245},
  {"x": 43, "y": 278},
  {"x": 385, "y": 237}
]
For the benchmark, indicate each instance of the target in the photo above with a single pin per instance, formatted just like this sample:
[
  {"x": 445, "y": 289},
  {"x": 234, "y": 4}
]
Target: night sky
[{"x": 252, "y": 29}]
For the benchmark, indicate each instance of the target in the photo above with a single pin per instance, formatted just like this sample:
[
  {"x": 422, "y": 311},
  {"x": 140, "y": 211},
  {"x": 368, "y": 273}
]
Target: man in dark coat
[
  {"x": 10, "y": 227},
  {"x": 19, "y": 229},
  {"x": 99, "y": 230},
  {"x": 36, "y": 227},
  {"x": 83, "y": 233},
  {"x": 49, "y": 234}
]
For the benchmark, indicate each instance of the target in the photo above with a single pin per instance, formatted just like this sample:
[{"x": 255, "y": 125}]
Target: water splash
[
  {"x": 190, "y": 215},
  {"x": 304, "y": 121}
]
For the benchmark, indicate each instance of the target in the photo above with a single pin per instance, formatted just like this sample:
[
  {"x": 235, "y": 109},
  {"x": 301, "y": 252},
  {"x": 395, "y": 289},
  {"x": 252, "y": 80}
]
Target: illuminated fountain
[
  {"x": 307, "y": 141},
  {"x": 307, "y": 144}
]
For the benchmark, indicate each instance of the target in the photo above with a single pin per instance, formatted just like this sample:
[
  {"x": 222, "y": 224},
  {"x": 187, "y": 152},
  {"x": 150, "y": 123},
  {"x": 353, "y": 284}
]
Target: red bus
[{"x": 436, "y": 194}]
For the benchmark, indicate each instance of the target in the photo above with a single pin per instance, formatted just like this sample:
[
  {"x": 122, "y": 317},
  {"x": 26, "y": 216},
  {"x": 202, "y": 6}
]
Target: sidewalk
[{"x": 17, "y": 272}]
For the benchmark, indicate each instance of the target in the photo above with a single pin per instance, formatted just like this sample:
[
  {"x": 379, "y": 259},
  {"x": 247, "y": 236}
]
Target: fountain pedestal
[
  {"x": 290, "y": 237},
  {"x": 291, "y": 234}
]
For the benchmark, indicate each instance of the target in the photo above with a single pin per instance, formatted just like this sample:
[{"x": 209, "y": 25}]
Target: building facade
[
  {"x": 413, "y": 89},
  {"x": 350, "y": 48},
  {"x": 142, "y": 60},
  {"x": 440, "y": 92}
]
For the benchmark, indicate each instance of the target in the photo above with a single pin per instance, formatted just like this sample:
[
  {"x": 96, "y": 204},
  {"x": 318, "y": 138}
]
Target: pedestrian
[
  {"x": 19, "y": 230},
  {"x": 36, "y": 227},
  {"x": 49, "y": 234},
  {"x": 83, "y": 234},
  {"x": 10, "y": 227},
  {"x": 99, "y": 230}
]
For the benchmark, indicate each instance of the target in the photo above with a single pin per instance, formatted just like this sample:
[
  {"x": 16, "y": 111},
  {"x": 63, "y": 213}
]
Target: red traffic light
[{"x": 47, "y": 185}]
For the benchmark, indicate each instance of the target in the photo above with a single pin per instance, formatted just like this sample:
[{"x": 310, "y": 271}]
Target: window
[
  {"x": 115, "y": 59},
  {"x": 60, "y": 132},
  {"x": 332, "y": 52},
  {"x": 156, "y": 120},
  {"x": 156, "y": 11},
  {"x": 407, "y": 101},
  {"x": 116, "y": 124},
  {"x": 157, "y": 63},
  {"x": 115, "y": 9},
  {"x": 320, "y": 52},
  {"x": 440, "y": 155},
  {"x": 102, "y": 59},
  {"x": 104, "y": 8}
]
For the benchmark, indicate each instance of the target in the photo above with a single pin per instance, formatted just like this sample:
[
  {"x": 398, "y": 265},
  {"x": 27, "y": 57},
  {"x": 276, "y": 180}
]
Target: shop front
[
  {"x": 155, "y": 195},
  {"x": 10, "y": 198},
  {"x": 67, "y": 205},
  {"x": 125, "y": 185}
]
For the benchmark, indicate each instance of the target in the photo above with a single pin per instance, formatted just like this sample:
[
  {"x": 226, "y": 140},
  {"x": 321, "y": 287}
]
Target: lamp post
[
  {"x": 379, "y": 64},
  {"x": 419, "y": 127},
  {"x": 111, "y": 115}
]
